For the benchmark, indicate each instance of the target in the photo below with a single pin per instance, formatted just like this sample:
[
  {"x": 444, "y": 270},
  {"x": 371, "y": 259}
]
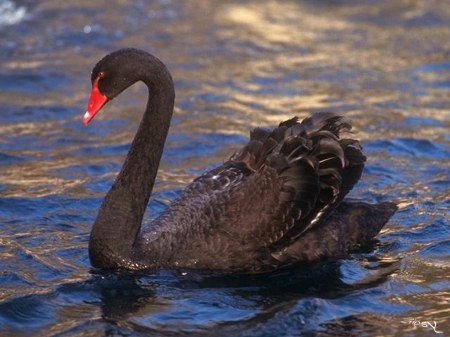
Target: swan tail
[{"x": 352, "y": 226}]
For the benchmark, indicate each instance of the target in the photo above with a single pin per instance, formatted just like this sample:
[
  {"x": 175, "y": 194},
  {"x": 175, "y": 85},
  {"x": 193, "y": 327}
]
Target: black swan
[{"x": 278, "y": 201}]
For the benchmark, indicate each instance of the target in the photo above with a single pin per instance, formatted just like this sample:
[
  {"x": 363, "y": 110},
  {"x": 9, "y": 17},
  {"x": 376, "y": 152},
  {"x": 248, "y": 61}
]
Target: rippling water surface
[{"x": 384, "y": 64}]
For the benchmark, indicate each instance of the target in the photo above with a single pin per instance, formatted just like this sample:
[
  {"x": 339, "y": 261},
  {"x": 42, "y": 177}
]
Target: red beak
[{"x": 96, "y": 101}]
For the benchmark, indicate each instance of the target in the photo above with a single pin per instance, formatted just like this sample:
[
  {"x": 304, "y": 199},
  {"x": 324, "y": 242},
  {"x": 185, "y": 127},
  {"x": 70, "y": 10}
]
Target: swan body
[{"x": 277, "y": 201}]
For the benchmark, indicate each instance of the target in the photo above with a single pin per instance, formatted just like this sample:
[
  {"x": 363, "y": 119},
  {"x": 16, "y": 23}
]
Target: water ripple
[{"x": 236, "y": 66}]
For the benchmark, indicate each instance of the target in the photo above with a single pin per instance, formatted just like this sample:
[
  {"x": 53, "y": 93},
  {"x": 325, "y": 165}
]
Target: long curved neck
[{"x": 119, "y": 219}]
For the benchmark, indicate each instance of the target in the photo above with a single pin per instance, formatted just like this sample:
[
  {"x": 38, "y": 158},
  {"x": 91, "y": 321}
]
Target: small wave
[{"x": 10, "y": 14}]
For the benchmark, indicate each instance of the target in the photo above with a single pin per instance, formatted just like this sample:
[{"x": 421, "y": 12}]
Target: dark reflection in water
[
  {"x": 385, "y": 65},
  {"x": 168, "y": 302}
]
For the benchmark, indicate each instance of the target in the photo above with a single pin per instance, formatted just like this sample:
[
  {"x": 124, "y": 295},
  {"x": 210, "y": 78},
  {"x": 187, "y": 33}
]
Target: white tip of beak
[{"x": 86, "y": 118}]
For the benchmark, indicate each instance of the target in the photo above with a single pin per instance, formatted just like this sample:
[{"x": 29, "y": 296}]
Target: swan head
[{"x": 113, "y": 74}]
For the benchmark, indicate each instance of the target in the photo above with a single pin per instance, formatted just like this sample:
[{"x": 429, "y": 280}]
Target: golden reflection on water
[
  {"x": 236, "y": 66},
  {"x": 291, "y": 58}
]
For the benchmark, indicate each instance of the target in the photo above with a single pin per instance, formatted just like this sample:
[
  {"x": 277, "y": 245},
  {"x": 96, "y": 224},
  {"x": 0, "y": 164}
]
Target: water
[{"x": 383, "y": 64}]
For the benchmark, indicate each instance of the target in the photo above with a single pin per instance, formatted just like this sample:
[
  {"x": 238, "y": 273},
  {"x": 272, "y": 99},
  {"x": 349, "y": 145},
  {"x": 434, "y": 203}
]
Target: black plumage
[{"x": 275, "y": 202}]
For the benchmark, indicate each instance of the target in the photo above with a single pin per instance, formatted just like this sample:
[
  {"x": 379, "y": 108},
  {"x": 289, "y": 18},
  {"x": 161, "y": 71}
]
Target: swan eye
[{"x": 101, "y": 74}]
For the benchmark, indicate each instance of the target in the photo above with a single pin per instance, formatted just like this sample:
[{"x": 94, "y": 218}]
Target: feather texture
[{"x": 277, "y": 201}]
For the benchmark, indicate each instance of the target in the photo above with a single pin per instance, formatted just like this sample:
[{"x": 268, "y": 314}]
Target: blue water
[{"x": 385, "y": 65}]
